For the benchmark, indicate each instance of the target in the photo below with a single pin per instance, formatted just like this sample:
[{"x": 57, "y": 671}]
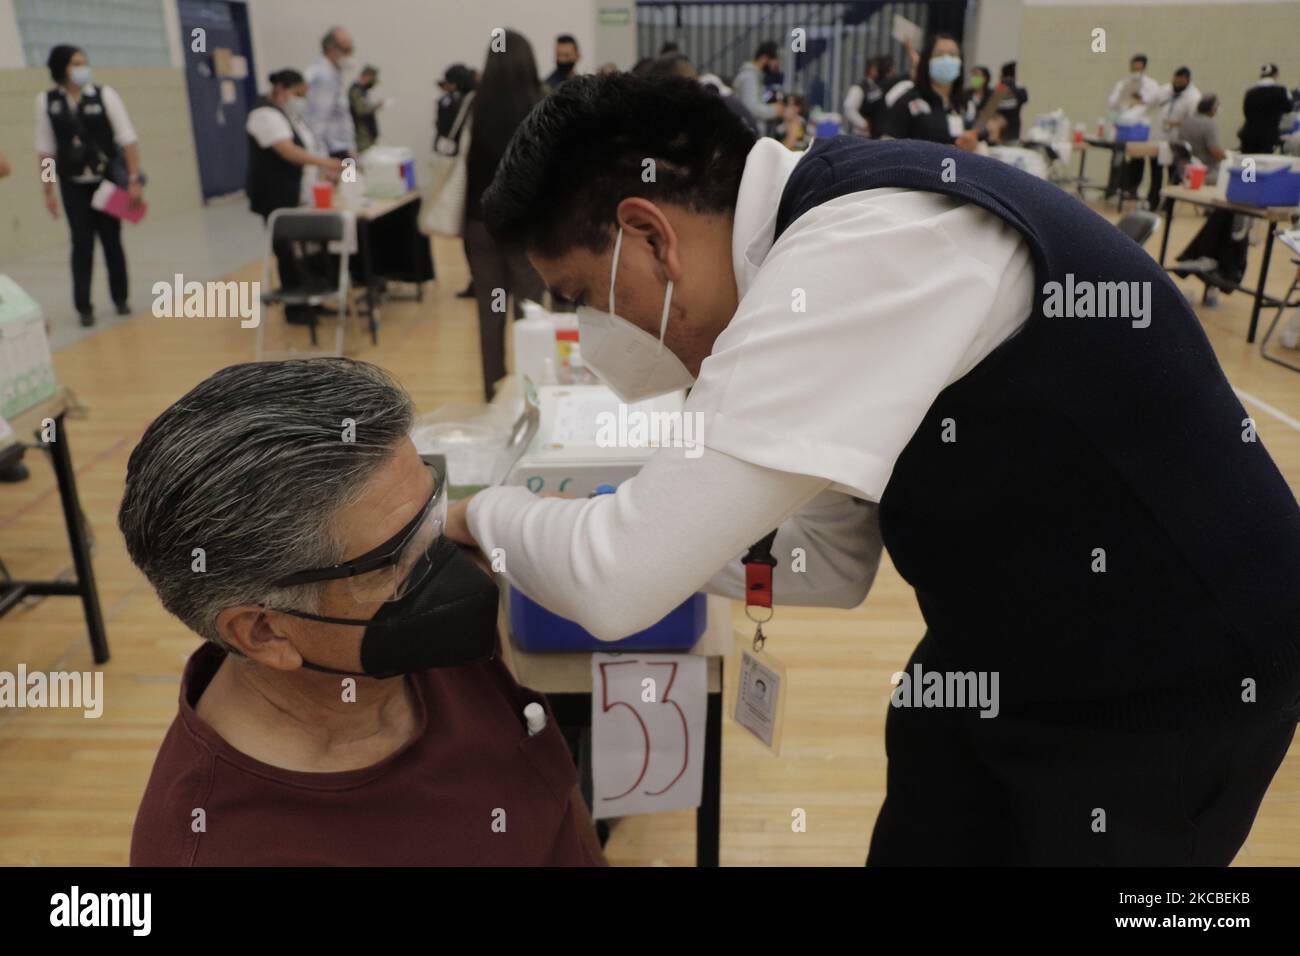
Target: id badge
[{"x": 760, "y": 693}]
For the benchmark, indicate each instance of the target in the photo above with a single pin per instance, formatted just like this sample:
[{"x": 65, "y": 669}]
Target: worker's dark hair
[
  {"x": 1138, "y": 56},
  {"x": 767, "y": 48},
  {"x": 1183, "y": 71},
  {"x": 669, "y": 46},
  {"x": 504, "y": 96},
  {"x": 286, "y": 78},
  {"x": 1207, "y": 104},
  {"x": 957, "y": 94},
  {"x": 587, "y": 146},
  {"x": 567, "y": 38},
  {"x": 58, "y": 60},
  {"x": 1009, "y": 69}
]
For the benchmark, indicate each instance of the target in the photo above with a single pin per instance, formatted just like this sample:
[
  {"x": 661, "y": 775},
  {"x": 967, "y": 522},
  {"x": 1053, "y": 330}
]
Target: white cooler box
[{"x": 389, "y": 171}]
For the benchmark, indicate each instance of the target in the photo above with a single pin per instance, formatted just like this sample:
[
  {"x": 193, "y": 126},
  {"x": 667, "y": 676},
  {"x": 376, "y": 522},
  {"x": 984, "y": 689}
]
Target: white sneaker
[{"x": 1202, "y": 264}]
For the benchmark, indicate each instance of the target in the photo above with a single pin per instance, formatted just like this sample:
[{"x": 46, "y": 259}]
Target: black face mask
[
  {"x": 565, "y": 68},
  {"x": 448, "y": 620}
]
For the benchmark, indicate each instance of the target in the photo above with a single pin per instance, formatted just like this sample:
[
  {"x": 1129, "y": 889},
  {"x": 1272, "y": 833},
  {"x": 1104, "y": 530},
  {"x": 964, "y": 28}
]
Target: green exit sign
[{"x": 615, "y": 16}]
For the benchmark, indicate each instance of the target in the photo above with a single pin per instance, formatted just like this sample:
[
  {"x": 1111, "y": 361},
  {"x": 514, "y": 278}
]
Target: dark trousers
[
  {"x": 966, "y": 790},
  {"x": 1225, "y": 240},
  {"x": 493, "y": 268},
  {"x": 1157, "y": 179},
  {"x": 84, "y": 223},
  {"x": 1157, "y": 175},
  {"x": 1125, "y": 175}
]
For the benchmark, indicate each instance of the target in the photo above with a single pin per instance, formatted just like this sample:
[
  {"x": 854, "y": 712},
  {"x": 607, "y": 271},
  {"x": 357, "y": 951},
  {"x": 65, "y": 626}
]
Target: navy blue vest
[
  {"x": 83, "y": 135},
  {"x": 273, "y": 182},
  {"x": 1080, "y": 440}
]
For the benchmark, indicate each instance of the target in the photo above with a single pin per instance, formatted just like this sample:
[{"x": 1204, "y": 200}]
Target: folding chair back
[{"x": 322, "y": 226}]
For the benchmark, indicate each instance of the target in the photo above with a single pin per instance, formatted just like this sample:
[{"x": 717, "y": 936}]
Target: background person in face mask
[
  {"x": 978, "y": 82},
  {"x": 930, "y": 107},
  {"x": 328, "y": 113},
  {"x": 1130, "y": 101},
  {"x": 1176, "y": 101},
  {"x": 85, "y": 130},
  {"x": 752, "y": 80},
  {"x": 283, "y": 161},
  {"x": 293, "y": 764},
  {"x": 566, "y": 62},
  {"x": 365, "y": 108}
]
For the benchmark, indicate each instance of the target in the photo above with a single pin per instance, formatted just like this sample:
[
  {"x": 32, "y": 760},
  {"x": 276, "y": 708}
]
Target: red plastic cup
[
  {"x": 1195, "y": 177},
  {"x": 323, "y": 195},
  {"x": 1078, "y": 136}
]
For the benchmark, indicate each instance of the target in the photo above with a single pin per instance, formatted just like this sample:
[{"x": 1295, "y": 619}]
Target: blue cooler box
[
  {"x": 1273, "y": 187},
  {"x": 539, "y": 631},
  {"x": 1132, "y": 132},
  {"x": 827, "y": 127}
]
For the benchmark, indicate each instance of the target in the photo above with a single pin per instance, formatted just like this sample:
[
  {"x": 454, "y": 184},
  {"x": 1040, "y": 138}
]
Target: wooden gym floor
[{"x": 70, "y": 786}]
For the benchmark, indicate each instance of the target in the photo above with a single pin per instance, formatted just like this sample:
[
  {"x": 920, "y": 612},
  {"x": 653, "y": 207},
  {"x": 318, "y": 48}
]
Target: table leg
[
  {"x": 708, "y": 817},
  {"x": 368, "y": 267},
  {"x": 77, "y": 540},
  {"x": 419, "y": 238},
  {"x": 1263, "y": 278},
  {"x": 1121, "y": 176},
  {"x": 1164, "y": 235},
  {"x": 1083, "y": 158}
]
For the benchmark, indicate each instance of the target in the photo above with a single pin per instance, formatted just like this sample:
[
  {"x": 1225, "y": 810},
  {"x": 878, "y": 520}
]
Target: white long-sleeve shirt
[
  {"x": 1173, "y": 109},
  {"x": 847, "y": 329},
  {"x": 1121, "y": 99},
  {"x": 327, "y": 112},
  {"x": 618, "y": 563}
]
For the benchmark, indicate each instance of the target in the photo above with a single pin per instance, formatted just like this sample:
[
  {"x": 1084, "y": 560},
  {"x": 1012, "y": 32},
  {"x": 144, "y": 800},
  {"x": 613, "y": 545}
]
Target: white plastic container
[
  {"x": 472, "y": 438},
  {"x": 389, "y": 171},
  {"x": 533, "y": 339}
]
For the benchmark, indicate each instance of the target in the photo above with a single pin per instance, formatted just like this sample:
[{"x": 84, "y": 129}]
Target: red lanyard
[{"x": 758, "y": 562}]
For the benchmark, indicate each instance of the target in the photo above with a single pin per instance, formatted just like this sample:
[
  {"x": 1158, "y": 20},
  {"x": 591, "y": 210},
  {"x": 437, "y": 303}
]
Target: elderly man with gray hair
[{"x": 348, "y": 705}]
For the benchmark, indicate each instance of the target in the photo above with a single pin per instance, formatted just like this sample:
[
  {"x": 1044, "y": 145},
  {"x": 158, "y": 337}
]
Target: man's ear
[
  {"x": 258, "y": 634},
  {"x": 642, "y": 219}
]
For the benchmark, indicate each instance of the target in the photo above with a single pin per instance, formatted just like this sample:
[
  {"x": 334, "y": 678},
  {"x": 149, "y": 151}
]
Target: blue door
[{"x": 219, "y": 99}]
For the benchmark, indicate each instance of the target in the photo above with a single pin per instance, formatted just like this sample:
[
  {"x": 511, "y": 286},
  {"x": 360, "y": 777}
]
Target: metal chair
[
  {"x": 320, "y": 226},
  {"x": 1138, "y": 225},
  {"x": 1283, "y": 304}
]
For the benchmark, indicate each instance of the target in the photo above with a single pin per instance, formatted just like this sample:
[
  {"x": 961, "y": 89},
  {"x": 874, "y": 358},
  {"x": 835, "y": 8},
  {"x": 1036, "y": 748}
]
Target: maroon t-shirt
[{"x": 470, "y": 771}]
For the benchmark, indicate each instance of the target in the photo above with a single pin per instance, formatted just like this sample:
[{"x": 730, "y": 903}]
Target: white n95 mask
[{"x": 629, "y": 359}]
